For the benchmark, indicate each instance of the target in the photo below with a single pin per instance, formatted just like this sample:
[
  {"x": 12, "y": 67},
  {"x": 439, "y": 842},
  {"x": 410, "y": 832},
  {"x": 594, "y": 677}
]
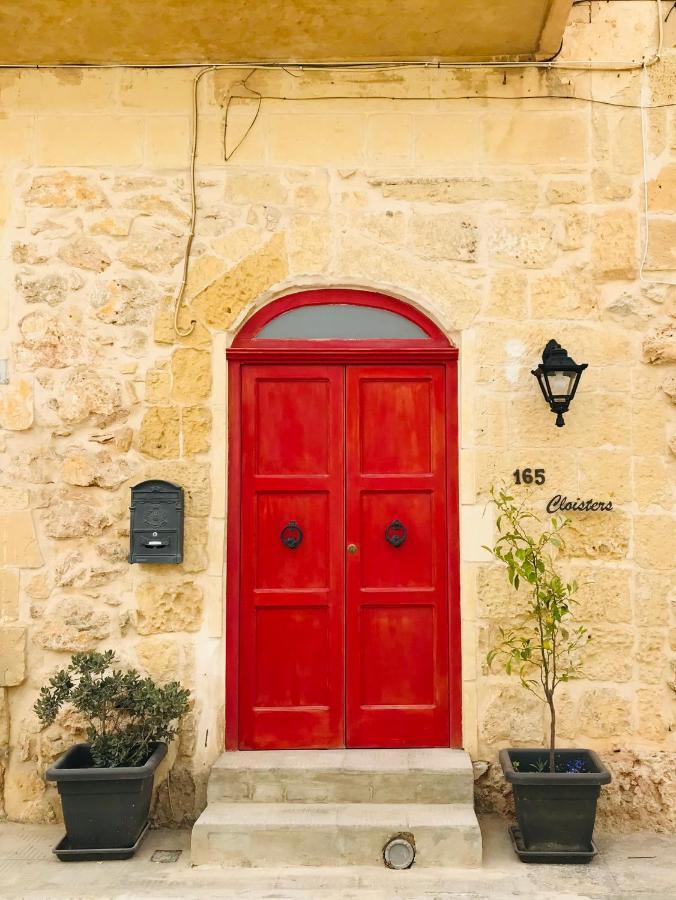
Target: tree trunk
[{"x": 552, "y": 733}]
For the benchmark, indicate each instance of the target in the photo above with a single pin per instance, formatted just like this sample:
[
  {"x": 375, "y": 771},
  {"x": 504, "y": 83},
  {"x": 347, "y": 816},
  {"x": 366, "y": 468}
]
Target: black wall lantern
[{"x": 558, "y": 376}]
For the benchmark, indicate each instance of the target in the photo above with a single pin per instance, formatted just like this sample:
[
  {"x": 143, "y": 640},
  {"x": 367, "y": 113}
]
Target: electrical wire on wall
[
  {"x": 645, "y": 88},
  {"x": 193, "y": 208},
  {"x": 252, "y": 94}
]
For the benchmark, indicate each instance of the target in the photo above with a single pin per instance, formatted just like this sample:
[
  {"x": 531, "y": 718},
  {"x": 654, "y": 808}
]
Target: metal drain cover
[
  {"x": 399, "y": 852},
  {"x": 165, "y": 856}
]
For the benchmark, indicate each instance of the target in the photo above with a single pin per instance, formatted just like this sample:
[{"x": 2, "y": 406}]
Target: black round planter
[
  {"x": 556, "y": 811},
  {"x": 103, "y": 809}
]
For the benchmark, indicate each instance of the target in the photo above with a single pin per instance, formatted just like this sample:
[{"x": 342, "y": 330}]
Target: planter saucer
[
  {"x": 66, "y": 854},
  {"x": 549, "y": 856}
]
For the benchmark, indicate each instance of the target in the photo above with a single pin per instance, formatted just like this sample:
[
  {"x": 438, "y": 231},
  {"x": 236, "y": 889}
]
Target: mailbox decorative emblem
[
  {"x": 156, "y": 527},
  {"x": 156, "y": 518}
]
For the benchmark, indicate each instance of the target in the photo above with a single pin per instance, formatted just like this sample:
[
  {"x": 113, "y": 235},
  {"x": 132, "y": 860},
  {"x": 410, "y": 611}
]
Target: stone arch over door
[
  {"x": 338, "y": 328},
  {"x": 274, "y": 269}
]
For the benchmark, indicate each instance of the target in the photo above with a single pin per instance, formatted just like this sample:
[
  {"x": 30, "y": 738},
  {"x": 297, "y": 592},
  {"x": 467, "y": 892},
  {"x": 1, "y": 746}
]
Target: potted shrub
[
  {"x": 106, "y": 783},
  {"x": 555, "y": 791}
]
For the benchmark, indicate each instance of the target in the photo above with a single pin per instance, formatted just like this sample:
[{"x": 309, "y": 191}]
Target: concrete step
[
  {"x": 333, "y": 834},
  {"x": 435, "y": 775}
]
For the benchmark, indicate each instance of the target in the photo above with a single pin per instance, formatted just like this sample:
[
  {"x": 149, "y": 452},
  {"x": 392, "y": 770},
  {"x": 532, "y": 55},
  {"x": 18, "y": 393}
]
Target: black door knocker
[
  {"x": 291, "y": 535},
  {"x": 396, "y": 533}
]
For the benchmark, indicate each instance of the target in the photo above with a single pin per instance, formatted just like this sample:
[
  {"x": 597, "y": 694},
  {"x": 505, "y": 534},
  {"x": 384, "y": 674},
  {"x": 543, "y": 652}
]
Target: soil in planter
[{"x": 565, "y": 762}]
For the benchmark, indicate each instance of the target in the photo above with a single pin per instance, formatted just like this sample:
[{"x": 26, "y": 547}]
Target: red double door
[{"x": 344, "y": 594}]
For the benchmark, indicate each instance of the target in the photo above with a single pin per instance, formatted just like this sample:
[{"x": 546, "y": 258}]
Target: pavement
[{"x": 628, "y": 867}]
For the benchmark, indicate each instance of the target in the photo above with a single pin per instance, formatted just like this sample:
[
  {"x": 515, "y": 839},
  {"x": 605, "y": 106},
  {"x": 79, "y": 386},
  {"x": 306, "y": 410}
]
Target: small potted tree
[
  {"x": 106, "y": 783},
  {"x": 555, "y": 790}
]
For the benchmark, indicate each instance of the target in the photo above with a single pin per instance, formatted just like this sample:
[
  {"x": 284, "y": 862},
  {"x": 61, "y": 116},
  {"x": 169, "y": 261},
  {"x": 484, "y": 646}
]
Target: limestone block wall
[{"x": 508, "y": 212}]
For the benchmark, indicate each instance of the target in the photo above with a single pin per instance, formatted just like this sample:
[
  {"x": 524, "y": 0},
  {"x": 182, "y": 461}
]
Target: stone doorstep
[
  {"x": 337, "y": 808},
  {"x": 333, "y": 834},
  {"x": 343, "y": 776}
]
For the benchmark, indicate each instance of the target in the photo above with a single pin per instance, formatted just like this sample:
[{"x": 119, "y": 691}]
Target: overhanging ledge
[{"x": 53, "y": 32}]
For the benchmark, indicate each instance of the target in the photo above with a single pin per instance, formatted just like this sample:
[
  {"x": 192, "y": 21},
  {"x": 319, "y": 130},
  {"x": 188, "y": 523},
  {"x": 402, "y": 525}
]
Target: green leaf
[
  {"x": 126, "y": 714},
  {"x": 539, "y": 642}
]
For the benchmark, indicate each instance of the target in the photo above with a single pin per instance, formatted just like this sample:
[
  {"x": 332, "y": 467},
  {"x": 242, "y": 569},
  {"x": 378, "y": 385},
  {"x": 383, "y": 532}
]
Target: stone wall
[{"x": 509, "y": 220}]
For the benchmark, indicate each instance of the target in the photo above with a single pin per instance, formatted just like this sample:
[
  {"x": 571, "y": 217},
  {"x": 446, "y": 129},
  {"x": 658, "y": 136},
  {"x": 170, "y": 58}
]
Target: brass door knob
[{"x": 352, "y": 548}]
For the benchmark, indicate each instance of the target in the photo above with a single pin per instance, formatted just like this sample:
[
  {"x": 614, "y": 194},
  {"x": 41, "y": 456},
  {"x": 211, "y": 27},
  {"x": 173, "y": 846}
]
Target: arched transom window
[{"x": 340, "y": 321}]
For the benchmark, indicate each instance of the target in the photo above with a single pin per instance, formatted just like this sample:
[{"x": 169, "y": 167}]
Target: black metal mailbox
[{"x": 156, "y": 527}]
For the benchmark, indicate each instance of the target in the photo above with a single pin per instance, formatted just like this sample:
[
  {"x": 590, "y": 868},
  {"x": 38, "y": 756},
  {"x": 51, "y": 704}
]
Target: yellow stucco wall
[{"x": 510, "y": 221}]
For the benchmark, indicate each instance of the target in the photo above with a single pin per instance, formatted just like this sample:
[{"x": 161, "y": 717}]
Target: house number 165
[{"x": 528, "y": 476}]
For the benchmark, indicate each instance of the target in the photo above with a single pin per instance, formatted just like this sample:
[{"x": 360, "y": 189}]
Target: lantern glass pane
[{"x": 561, "y": 384}]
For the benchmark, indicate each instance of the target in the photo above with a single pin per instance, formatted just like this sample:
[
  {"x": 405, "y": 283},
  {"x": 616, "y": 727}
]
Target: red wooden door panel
[
  {"x": 292, "y": 598},
  {"x": 397, "y": 685}
]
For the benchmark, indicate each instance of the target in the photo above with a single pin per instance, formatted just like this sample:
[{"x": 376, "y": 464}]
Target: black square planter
[
  {"x": 103, "y": 809},
  {"x": 556, "y": 811}
]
